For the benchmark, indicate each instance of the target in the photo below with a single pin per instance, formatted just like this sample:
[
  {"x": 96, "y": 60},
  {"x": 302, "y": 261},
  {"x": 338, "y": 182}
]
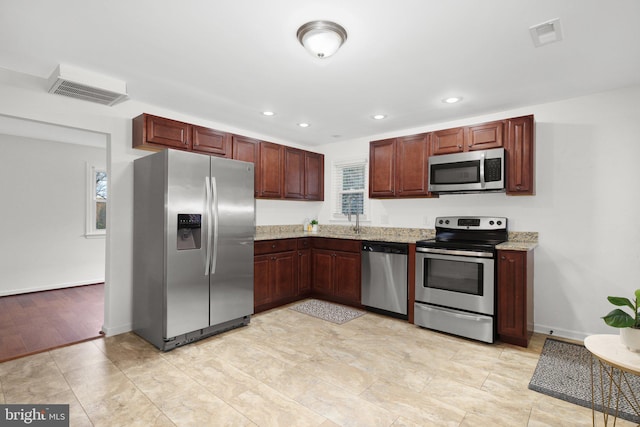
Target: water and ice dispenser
[{"x": 189, "y": 231}]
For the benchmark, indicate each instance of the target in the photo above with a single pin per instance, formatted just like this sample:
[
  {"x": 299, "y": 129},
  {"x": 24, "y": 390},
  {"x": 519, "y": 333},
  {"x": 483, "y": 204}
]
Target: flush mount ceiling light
[
  {"x": 321, "y": 38},
  {"x": 268, "y": 113},
  {"x": 547, "y": 32},
  {"x": 378, "y": 116},
  {"x": 303, "y": 125}
]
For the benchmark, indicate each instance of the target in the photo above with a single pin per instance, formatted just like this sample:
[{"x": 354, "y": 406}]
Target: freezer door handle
[
  {"x": 207, "y": 265},
  {"x": 214, "y": 191}
]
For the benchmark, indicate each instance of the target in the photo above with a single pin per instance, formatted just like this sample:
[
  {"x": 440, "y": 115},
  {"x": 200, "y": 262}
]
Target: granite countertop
[{"x": 518, "y": 241}]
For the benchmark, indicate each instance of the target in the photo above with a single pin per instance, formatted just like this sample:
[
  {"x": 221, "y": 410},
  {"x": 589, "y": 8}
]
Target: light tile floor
[{"x": 290, "y": 369}]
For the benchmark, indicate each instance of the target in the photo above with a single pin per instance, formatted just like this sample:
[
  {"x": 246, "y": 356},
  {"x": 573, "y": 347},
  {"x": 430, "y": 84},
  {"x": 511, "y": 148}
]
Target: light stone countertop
[{"x": 518, "y": 241}]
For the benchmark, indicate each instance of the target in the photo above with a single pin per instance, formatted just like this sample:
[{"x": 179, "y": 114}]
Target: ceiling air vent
[
  {"x": 88, "y": 86},
  {"x": 547, "y": 32}
]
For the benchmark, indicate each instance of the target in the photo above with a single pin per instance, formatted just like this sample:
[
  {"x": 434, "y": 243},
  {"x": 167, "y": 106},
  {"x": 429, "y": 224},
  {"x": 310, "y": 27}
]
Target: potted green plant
[
  {"x": 629, "y": 324},
  {"x": 314, "y": 225}
]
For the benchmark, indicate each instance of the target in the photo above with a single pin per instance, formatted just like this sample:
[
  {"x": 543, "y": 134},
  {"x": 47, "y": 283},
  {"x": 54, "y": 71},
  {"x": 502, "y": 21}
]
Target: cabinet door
[
  {"x": 512, "y": 295},
  {"x": 347, "y": 272},
  {"x": 304, "y": 271},
  {"x": 313, "y": 176},
  {"x": 485, "y": 136},
  {"x": 157, "y": 133},
  {"x": 382, "y": 169},
  {"x": 520, "y": 156},
  {"x": 270, "y": 171},
  {"x": 412, "y": 156},
  {"x": 322, "y": 271},
  {"x": 246, "y": 150},
  {"x": 261, "y": 280},
  {"x": 294, "y": 173},
  {"x": 211, "y": 141},
  {"x": 447, "y": 141},
  {"x": 284, "y": 275}
]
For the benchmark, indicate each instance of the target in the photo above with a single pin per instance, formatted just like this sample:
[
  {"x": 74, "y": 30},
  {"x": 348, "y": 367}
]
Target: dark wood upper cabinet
[
  {"x": 211, "y": 141},
  {"x": 270, "y": 171},
  {"x": 293, "y": 173},
  {"x": 520, "y": 156},
  {"x": 447, "y": 141},
  {"x": 484, "y": 136},
  {"x": 398, "y": 167},
  {"x": 313, "y": 176},
  {"x": 412, "y": 156},
  {"x": 382, "y": 168},
  {"x": 477, "y": 137},
  {"x": 155, "y": 133},
  {"x": 303, "y": 174}
]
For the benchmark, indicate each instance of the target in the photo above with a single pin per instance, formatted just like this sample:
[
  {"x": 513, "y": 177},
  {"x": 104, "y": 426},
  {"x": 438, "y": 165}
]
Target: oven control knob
[
  {"x": 446, "y": 221},
  {"x": 499, "y": 222},
  {"x": 440, "y": 222},
  {"x": 491, "y": 222}
]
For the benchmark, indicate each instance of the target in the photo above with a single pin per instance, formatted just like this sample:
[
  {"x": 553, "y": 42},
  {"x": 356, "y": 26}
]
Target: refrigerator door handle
[
  {"x": 214, "y": 191},
  {"x": 207, "y": 185}
]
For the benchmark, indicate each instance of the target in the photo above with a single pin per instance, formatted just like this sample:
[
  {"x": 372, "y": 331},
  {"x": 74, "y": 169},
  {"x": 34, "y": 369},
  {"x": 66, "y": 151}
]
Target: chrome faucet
[{"x": 356, "y": 229}]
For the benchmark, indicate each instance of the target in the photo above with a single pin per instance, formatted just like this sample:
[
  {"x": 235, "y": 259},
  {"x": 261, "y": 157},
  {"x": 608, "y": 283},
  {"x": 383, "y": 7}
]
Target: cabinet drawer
[
  {"x": 271, "y": 246},
  {"x": 304, "y": 243},
  {"x": 344, "y": 245}
]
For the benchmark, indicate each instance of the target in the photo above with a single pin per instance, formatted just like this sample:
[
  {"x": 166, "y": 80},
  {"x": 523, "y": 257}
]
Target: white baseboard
[
  {"x": 563, "y": 333},
  {"x": 117, "y": 330},
  {"x": 50, "y": 287}
]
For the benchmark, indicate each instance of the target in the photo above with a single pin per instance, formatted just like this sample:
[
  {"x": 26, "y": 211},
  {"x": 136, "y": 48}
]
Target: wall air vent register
[{"x": 87, "y": 86}]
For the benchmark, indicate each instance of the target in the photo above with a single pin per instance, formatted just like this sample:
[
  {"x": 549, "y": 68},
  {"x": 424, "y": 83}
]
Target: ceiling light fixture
[
  {"x": 452, "y": 99},
  {"x": 303, "y": 125},
  {"x": 268, "y": 113},
  {"x": 378, "y": 116},
  {"x": 321, "y": 38}
]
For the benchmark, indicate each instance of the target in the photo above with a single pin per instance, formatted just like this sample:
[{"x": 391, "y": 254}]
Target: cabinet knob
[
  {"x": 459, "y": 146},
  {"x": 273, "y": 246},
  {"x": 503, "y": 258}
]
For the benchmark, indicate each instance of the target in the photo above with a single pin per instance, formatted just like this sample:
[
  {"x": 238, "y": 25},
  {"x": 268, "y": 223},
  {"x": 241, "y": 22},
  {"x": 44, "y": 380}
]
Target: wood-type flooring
[{"x": 39, "y": 321}]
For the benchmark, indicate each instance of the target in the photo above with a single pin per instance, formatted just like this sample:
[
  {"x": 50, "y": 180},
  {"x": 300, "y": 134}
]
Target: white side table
[{"x": 614, "y": 361}]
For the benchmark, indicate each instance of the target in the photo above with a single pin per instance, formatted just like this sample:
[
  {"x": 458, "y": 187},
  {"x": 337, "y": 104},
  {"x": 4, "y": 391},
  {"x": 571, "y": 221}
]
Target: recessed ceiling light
[
  {"x": 303, "y": 125},
  {"x": 268, "y": 113},
  {"x": 379, "y": 116},
  {"x": 452, "y": 99}
]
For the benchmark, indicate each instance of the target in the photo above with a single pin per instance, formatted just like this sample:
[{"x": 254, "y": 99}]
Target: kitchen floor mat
[{"x": 328, "y": 311}]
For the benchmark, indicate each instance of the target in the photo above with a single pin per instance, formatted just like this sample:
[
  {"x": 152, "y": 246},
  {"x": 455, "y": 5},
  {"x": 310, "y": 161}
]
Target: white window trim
[
  {"x": 336, "y": 215},
  {"x": 90, "y": 227}
]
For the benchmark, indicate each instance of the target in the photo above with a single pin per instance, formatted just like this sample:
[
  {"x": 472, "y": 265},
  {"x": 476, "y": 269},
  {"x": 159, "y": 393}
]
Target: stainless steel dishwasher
[{"x": 384, "y": 277}]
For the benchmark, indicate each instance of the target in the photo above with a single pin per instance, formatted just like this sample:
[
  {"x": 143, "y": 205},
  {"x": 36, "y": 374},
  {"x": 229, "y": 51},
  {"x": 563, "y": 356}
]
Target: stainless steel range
[{"x": 455, "y": 276}]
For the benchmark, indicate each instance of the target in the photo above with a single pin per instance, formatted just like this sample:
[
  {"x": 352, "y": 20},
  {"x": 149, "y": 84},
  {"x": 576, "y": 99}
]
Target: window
[
  {"x": 97, "y": 202},
  {"x": 350, "y": 189}
]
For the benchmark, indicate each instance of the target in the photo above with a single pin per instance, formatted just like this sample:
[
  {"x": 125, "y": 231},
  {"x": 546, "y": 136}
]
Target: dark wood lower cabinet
[
  {"x": 275, "y": 273},
  {"x": 515, "y": 296},
  {"x": 336, "y": 270}
]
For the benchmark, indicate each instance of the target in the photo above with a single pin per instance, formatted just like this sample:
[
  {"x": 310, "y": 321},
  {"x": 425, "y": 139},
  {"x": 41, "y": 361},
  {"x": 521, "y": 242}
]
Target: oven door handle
[{"x": 453, "y": 252}]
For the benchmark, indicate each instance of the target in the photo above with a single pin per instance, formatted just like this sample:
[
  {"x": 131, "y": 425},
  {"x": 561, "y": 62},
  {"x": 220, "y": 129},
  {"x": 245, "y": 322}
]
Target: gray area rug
[
  {"x": 564, "y": 372},
  {"x": 327, "y": 311}
]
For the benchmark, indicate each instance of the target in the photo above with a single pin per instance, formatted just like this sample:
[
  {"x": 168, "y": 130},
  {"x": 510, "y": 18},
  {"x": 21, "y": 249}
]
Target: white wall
[
  {"x": 586, "y": 155},
  {"x": 44, "y": 194}
]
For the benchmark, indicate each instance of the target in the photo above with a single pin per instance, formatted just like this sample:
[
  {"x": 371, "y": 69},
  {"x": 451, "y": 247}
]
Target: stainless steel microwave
[{"x": 469, "y": 172}]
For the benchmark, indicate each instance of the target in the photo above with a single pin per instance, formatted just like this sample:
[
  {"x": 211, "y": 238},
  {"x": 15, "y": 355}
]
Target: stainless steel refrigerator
[{"x": 194, "y": 225}]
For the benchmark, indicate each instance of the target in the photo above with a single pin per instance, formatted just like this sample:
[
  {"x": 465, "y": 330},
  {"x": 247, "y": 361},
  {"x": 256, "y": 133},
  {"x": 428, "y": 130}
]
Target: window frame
[
  {"x": 336, "y": 200},
  {"x": 91, "y": 231}
]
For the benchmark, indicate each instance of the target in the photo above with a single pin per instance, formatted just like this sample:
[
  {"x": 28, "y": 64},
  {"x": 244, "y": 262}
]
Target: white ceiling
[{"x": 228, "y": 60}]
